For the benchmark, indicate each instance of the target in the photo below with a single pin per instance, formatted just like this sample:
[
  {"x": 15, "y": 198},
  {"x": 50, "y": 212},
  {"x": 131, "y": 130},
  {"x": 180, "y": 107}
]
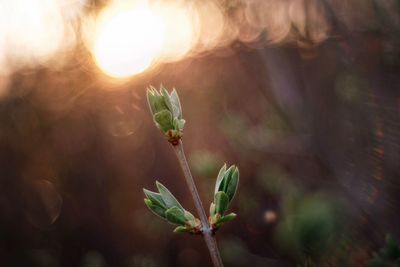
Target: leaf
[
  {"x": 155, "y": 198},
  {"x": 227, "y": 218},
  {"x": 181, "y": 229},
  {"x": 157, "y": 210},
  {"x": 158, "y": 100},
  {"x": 232, "y": 185},
  {"x": 166, "y": 98},
  {"x": 179, "y": 123},
  {"x": 189, "y": 216},
  {"x": 227, "y": 177},
  {"x": 212, "y": 209},
  {"x": 167, "y": 197},
  {"x": 164, "y": 120},
  {"x": 221, "y": 201},
  {"x": 176, "y": 216},
  {"x": 159, "y": 103},
  {"x": 220, "y": 177},
  {"x": 176, "y": 104}
]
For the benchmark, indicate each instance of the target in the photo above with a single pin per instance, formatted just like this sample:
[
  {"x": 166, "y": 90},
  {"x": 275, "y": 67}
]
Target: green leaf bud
[
  {"x": 227, "y": 181},
  {"x": 157, "y": 210},
  {"x": 220, "y": 177},
  {"x": 176, "y": 215},
  {"x": 163, "y": 120},
  {"x": 169, "y": 199},
  {"x": 212, "y": 209},
  {"x": 221, "y": 201},
  {"x": 167, "y": 112},
  {"x": 227, "y": 218},
  {"x": 181, "y": 229},
  {"x": 232, "y": 184},
  {"x": 155, "y": 198}
]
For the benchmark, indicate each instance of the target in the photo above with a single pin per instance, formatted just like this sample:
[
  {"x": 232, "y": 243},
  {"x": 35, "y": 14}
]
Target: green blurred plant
[
  {"x": 167, "y": 115},
  {"x": 311, "y": 228},
  {"x": 388, "y": 256}
]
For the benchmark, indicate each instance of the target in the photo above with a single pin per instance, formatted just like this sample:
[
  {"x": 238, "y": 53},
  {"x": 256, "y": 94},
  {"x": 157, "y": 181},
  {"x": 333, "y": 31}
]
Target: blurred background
[{"x": 303, "y": 95}]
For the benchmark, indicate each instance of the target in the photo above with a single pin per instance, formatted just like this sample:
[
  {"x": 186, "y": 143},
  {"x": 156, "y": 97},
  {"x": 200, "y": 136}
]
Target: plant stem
[{"x": 206, "y": 229}]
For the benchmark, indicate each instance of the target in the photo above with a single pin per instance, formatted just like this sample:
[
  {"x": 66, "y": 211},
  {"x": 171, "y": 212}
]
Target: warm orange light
[
  {"x": 127, "y": 40},
  {"x": 131, "y": 36},
  {"x": 179, "y": 31},
  {"x": 33, "y": 32}
]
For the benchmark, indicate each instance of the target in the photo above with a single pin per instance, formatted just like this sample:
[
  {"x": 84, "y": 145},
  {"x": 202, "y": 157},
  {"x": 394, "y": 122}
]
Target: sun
[{"x": 127, "y": 40}]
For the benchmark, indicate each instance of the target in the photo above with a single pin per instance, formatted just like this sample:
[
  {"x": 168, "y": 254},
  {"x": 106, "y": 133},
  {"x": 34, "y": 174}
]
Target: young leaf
[
  {"x": 212, "y": 209},
  {"x": 221, "y": 201},
  {"x": 176, "y": 105},
  {"x": 178, "y": 123},
  {"x": 164, "y": 120},
  {"x": 166, "y": 98},
  {"x": 169, "y": 199},
  {"x": 157, "y": 210},
  {"x": 155, "y": 198},
  {"x": 176, "y": 216},
  {"x": 189, "y": 216},
  {"x": 181, "y": 229},
  {"x": 220, "y": 177},
  {"x": 232, "y": 184},
  {"x": 226, "y": 178},
  {"x": 227, "y": 218}
]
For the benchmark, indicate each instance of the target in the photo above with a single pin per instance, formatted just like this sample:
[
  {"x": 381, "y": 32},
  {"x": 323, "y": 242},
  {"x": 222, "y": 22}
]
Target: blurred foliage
[
  {"x": 388, "y": 256},
  {"x": 350, "y": 88},
  {"x": 205, "y": 163},
  {"x": 312, "y": 228},
  {"x": 93, "y": 259}
]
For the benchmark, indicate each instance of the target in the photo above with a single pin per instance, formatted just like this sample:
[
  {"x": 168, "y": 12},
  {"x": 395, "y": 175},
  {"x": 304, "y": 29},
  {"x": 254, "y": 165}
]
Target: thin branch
[{"x": 206, "y": 229}]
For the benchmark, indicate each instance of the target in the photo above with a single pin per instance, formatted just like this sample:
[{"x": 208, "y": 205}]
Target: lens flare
[
  {"x": 32, "y": 32},
  {"x": 179, "y": 29},
  {"x": 127, "y": 40}
]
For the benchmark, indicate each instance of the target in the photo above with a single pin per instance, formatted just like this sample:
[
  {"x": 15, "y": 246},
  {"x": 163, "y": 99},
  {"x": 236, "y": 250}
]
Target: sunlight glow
[
  {"x": 179, "y": 30},
  {"x": 127, "y": 41},
  {"x": 32, "y": 32},
  {"x": 130, "y": 37}
]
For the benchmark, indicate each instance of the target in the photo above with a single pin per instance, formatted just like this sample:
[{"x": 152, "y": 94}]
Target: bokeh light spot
[{"x": 127, "y": 41}]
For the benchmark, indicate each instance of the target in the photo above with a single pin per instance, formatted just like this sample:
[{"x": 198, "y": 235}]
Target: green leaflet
[
  {"x": 231, "y": 186},
  {"x": 189, "y": 216},
  {"x": 169, "y": 199},
  {"x": 164, "y": 120},
  {"x": 227, "y": 218},
  {"x": 176, "y": 215},
  {"x": 220, "y": 177},
  {"x": 176, "y": 104},
  {"x": 221, "y": 201},
  {"x": 212, "y": 209},
  {"x": 155, "y": 198},
  {"x": 181, "y": 229},
  {"x": 166, "y": 98},
  {"x": 157, "y": 210}
]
